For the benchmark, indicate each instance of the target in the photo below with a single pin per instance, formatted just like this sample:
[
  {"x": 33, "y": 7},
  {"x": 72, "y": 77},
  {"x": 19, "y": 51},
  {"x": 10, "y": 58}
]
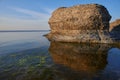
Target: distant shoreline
[{"x": 24, "y": 30}]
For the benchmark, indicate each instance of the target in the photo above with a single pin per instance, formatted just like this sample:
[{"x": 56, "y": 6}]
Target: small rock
[{"x": 115, "y": 29}]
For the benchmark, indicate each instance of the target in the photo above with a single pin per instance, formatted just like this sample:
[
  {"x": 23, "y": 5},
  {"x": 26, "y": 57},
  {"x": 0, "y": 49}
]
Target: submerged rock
[
  {"x": 115, "y": 29},
  {"x": 80, "y": 23}
]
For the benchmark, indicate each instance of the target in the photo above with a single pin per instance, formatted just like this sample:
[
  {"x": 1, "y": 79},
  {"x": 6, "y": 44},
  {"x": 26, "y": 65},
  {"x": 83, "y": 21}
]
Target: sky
[{"x": 34, "y": 14}]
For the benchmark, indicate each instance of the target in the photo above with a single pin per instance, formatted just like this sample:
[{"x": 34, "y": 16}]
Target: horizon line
[{"x": 22, "y": 30}]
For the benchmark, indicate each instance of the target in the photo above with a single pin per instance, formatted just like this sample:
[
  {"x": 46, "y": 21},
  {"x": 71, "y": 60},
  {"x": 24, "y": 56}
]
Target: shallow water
[{"x": 30, "y": 56}]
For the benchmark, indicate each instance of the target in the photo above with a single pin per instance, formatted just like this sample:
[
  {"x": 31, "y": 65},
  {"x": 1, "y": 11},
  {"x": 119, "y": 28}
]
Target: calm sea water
[{"x": 30, "y": 56}]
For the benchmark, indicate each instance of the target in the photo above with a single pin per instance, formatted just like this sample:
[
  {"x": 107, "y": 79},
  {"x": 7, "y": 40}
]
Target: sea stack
[{"x": 80, "y": 23}]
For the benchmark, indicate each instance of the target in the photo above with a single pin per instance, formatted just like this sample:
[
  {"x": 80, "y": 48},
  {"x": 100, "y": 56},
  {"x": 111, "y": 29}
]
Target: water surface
[{"x": 30, "y": 56}]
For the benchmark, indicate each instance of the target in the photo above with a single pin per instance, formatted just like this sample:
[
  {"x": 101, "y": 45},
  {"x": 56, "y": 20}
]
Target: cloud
[
  {"x": 14, "y": 23},
  {"x": 48, "y": 10},
  {"x": 27, "y": 19},
  {"x": 32, "y": 13}
]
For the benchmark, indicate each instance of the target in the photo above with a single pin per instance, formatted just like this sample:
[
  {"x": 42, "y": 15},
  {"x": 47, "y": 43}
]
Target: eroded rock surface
[{"x": 80, "y": 23}]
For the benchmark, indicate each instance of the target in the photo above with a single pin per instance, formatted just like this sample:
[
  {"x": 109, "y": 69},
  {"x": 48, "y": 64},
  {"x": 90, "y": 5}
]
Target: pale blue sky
[{"x": 34, "y": 14}]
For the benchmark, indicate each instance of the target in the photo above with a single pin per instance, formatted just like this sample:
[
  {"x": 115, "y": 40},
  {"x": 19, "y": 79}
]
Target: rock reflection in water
[{"x": 87, "y": 59}]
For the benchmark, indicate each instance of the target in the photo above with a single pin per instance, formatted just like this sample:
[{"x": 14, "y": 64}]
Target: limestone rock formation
[
  {"x": 80, "y": 23},
  {"x": 114, "y": 24},
  {"x": 115, "y": 29}
]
